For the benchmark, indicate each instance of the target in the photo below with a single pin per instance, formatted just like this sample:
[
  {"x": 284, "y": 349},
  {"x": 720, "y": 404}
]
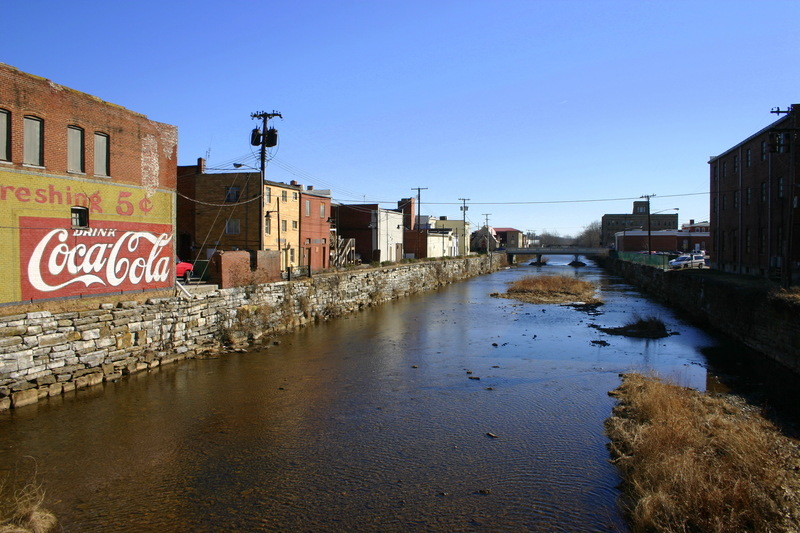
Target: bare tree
[{"x": 590, "y": 236}]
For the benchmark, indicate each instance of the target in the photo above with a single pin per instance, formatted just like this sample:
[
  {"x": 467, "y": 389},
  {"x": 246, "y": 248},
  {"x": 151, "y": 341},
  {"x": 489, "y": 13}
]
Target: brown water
[{"x": 366, "y": 423}]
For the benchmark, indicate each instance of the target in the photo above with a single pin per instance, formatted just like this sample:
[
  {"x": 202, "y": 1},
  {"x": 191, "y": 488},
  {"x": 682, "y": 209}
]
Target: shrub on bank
[
  {"x": 694, "y": 462},
  {"x": 21, "y": 507}
]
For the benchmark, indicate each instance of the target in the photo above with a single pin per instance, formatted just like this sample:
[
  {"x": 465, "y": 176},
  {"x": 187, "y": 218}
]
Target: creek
[{"x": 447, "y": 411}]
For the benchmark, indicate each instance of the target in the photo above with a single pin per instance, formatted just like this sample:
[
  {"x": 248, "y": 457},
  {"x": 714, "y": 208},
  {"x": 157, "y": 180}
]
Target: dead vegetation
[
  {"x": 551, "y": 290},
  {"x": 695, "y": 462},
  {"x": 647, "y": 328},
  {"x": 789, "y": 297},
  {"x": 21, "y": 506}
]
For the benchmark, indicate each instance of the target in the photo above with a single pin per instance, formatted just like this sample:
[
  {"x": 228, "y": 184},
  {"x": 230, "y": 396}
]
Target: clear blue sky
[{"x": 537, "y": 111}]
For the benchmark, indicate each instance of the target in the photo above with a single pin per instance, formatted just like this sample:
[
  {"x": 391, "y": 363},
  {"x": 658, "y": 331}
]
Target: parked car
[
  {"x": 688, "y": 261},
  {"x": 184, "y": 270}
]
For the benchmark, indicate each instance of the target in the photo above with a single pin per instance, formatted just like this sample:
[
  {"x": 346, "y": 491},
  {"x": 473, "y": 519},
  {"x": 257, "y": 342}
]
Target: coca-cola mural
[{"x": 57, "y": 260}]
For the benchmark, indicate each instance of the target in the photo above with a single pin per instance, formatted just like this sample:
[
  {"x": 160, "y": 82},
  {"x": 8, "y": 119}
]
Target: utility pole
[
  {"x": 486, "y": 225},
  {"x": 265, "y": 137},
  {"x": 649, "y": 234},
  {"x": 464, "y": 224},
  {"x": 419, "y": 206}
]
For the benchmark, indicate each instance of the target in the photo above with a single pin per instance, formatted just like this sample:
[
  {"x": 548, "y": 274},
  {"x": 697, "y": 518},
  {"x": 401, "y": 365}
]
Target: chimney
[
  {"x": 691, "y": 222},
  {"x": 201, "y": 165},
  {"x": 310, "y": 188}
]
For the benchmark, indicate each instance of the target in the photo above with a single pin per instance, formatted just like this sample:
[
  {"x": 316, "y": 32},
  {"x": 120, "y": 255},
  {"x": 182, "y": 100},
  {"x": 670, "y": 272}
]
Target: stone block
[
  {"x": 90, "y": 334},
  {"x": 56, "y": 389},
  {"x": 45, "y": 380},
  {"x": 69, "y": 386},
  {"x": 52, "y": 339},
  {"x": 5, "y": 404},
  {"x": 25, "y": 397},
  {"x": 13, "y": 331},
  {"x": 88, "y": 380}
]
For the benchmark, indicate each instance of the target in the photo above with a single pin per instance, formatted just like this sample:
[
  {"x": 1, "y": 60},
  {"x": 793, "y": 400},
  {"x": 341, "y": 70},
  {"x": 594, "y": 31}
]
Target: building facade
[
  {"x": 221, "y": 211},
  {"x": 637, "y": 219},
  {"x": 216, "y": 211},
  {"x": 87, "y": 194},
  {"x": 673, "y": 241},
  {"x": 461, "y": 232},
  {"x": 315, "y": 229},
  {"x": 754, "y": 212}
]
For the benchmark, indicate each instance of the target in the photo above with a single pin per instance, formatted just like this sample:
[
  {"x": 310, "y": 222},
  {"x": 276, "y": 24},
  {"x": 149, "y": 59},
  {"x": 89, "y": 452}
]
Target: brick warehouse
[
  {"x": 755, "y": 227},
  {"x": 87, "y": 194}
]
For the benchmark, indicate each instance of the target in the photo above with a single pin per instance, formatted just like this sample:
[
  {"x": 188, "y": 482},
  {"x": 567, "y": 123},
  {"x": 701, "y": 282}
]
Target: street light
[{"x": 649, "y": 234}]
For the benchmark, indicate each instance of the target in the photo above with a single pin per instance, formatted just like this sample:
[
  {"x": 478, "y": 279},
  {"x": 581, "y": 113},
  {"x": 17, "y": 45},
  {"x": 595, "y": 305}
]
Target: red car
[{"x": 184, "y": 270}]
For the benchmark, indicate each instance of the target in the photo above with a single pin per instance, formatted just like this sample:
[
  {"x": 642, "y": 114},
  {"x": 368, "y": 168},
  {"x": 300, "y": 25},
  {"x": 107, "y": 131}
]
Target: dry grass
[
  {"x": 693, "y": 462},
  {"x": 551, "y": 289},
  {"x": 790, "y": 296},
  {"x": 21, "y": 506}
]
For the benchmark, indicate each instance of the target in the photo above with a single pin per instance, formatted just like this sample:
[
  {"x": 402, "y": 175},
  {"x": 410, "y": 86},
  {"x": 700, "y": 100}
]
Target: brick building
[
  {"x": 754, "y": 213},
  {"x": 87, "y": 194},
  {"x": 610, "y": 224},
  {"x": 673, "y": 241},
  {"x": 315, "y": 229},
  {"x": 221, "y": 211}
]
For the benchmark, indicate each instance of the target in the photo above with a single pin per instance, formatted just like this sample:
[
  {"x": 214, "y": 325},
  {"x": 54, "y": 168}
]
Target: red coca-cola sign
[{"x": 58, "y": 260}]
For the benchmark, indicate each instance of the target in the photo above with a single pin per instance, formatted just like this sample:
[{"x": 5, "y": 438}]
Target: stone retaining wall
[
  {"x": 47, "y": 354},
  {"x": 744, "y": 309}
]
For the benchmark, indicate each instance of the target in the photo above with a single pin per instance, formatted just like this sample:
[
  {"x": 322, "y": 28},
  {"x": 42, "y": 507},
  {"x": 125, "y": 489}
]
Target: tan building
[
  {"x": 282, "y": 221},
  {"x": 460, "y": 231}
]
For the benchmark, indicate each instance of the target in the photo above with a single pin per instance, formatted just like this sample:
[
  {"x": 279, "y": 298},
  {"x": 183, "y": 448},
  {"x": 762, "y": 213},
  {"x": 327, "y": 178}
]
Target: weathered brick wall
[
  {"x": 740, "y": 309},
  {"x": 47, "y": 354}
]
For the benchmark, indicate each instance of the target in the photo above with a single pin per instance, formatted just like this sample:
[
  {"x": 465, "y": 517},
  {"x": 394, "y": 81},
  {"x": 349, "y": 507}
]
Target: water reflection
[{"x": 374, "y": 422}]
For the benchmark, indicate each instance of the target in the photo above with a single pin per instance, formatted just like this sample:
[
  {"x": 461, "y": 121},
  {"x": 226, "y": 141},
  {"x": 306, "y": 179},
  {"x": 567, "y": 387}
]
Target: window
[
  {"x": 101, "y": 155},
  {"x": 321, "y": 210},
  {"x": 283, "y": 225},
  {"x": 735, "y": 199},
  {"x": 749, "y": 195},
  {"x": 75, "y": 150},
  {"x": 80, "y": 217},
  {"x": 724, "y": 168},
  {"x": 232, "y": 226},
  {"x": 294, "y": 196},
  {"x": 284, "y": 196},
  {"x": 308, "y": 208},
  {"x": 294, "y": 224},
  {"x": 291, "y": 255},
  {"x": 780, "y": 187},
  {"x": 735, "y": 164},
  {"x": 747, "y": 240},
  {"x": 763, "y": 150},
  {"x": 232, "y": 194},
  {"x": 763, "y": 191},
  {"x": 5, "y": 135},
  {"x": 749, "y": 158},
  {"x": 33, "y": 142},
  {"x": 267, "y": 195},
  {"x": 268, "y": 225}
]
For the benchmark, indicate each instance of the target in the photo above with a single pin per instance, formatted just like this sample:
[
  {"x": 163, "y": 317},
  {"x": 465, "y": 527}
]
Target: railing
[{"x": 653, "y": 260}]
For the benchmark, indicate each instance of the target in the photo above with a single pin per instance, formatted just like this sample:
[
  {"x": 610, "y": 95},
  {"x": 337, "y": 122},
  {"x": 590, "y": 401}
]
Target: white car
[{"x": 688, "y": 261}]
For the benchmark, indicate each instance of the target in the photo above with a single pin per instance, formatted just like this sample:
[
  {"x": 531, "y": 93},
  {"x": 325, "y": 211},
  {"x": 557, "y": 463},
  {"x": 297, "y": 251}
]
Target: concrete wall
[
  {"x": 47, "y": 354},
  {"x": 742, "y": 308}
]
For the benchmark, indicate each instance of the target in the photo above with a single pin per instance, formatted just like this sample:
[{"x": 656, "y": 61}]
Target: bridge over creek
[{"x": 575, "y": 251}]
